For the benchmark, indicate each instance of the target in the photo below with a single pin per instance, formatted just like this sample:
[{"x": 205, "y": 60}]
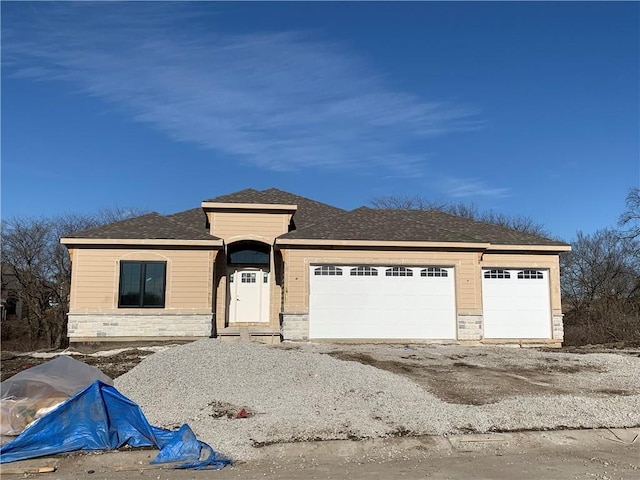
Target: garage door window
[
  {"x": 497, "y": 274},
  {"x": 537, "y": 274},
  {"x": 399, "y": 272},
  {"x": 327, "y": 270},
  {"x": 434, "y": 272},
  {"x": 364, "y": 272}
]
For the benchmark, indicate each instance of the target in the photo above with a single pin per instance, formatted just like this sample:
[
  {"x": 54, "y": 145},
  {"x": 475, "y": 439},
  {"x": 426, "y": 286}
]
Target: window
[
  {"x": 364, "y": 272},
  {"x": 248, "y": 277},
  {"x": 433, "y": 272},
  {"x": 497, "y": 274},
  {"x": 530, "y": 274},
  {"x": 142, "y": 284},
  {"x": 265, "y": 277},
  {"x": 248, "y": 253},
  {"x": 398, "y": 272},
  {"x": 326, "y": 270}
]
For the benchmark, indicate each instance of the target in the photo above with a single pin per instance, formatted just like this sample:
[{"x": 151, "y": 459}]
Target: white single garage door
[
  {"x": 351, "y": 301},
  {"x": 516, "y": 303}
]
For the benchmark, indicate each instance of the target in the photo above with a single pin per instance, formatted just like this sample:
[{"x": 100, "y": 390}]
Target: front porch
[{"x": 251, "y": 333}]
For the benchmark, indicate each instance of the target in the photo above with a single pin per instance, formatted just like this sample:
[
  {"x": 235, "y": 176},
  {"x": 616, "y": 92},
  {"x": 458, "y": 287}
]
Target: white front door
[{"x": 249, "y": 294}]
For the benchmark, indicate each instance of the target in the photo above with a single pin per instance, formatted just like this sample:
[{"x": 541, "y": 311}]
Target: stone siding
[
  {"x": 295, "y": 326},
  {"x": 470, "y": 327},
  {"x": 558, "y": 327},
  {"x": 103, "y": 326}
]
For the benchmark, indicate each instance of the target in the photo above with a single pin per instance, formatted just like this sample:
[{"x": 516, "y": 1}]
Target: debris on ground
[{"x": 64, "y": 406}]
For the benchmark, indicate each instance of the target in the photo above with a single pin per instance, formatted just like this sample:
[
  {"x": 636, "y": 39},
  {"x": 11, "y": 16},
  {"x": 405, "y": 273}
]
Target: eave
[
  {"x": 217, "y": 243},
  {"x": 537, "y": 248},
  {"x": 248, "y": 206},
  {"x": 304, "y": 242}
]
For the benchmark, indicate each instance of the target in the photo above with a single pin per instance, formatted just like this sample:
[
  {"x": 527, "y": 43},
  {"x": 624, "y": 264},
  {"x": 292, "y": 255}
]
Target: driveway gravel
[{"x": 304, "y": 392}]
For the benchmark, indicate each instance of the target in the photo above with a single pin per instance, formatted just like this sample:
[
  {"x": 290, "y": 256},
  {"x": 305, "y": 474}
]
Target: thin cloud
[
  {"x": 470, "y": 187},
  {"x": 280, "y": 101}
]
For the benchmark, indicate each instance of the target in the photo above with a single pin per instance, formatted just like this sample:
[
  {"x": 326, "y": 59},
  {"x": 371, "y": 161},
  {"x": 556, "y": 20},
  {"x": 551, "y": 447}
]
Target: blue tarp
[{"x": 101, "y": 418}]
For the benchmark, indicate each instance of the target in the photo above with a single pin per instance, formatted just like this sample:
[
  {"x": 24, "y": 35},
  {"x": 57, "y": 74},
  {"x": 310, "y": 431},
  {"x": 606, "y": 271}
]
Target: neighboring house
[{"x": 269, "y": 265}]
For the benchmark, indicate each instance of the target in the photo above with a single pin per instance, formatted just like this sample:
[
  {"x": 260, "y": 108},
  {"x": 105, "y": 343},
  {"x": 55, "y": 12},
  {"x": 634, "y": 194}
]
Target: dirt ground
[
  {"x": 471, "y": 376},
  {"x": 112, "y": 366},
  {"x": 569, "y": 454},
  {"x": 434, "y": 373},
  {"x": 464, "y": 376}
]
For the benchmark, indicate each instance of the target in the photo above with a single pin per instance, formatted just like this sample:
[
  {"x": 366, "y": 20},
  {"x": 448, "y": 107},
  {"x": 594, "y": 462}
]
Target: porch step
[{"x": 263, "y": 334}]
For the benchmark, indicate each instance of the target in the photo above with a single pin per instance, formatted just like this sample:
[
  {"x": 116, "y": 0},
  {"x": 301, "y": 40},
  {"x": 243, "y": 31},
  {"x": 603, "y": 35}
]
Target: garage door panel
[
  {"x": 516, "y": 307},
  {"x": 382, "y": 306}
]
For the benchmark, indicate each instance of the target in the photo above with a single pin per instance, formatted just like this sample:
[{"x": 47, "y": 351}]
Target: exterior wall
[
  {"x": 295, "y": 326},
  {"x": 233, "y": 226},
  {"x": 297, "y": 262},
  {"x": 95, "y": 287},
  {"x": 261, "y": 226},
  {"x": 221, "y": 294},
  {"x": 468, "y": 275},
  {"x": 470, "y": 327},
  {"x": 558, "y": 327},
  {"x": 101, "y": 326}
]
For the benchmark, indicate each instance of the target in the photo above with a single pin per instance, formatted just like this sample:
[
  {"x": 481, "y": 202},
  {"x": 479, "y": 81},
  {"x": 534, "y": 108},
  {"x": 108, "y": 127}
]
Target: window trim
[{"x": 143, "y": 270}]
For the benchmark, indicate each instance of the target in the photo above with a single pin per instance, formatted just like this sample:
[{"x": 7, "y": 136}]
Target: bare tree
[
  {"x": 461, "y": 209},
  {"x": 630, "y": 219},
  {"x": 40, "y": 269},
  {"x": 601, "y": 288}
]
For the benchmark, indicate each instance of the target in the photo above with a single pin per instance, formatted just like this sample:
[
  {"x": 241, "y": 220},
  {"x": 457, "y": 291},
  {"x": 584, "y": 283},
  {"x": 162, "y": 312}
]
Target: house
[{"x": 270, "y": 265}]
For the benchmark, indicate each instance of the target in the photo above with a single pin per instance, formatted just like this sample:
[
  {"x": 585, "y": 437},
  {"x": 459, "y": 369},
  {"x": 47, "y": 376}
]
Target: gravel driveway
[{"x": 301, "y": 392}]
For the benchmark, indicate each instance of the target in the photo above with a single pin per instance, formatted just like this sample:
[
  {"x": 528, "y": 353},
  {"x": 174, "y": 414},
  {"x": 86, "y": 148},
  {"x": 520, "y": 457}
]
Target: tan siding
[
  {"x": 95, "y": 279},
  {"x": 297, "y": 264},
  {"x": 235, "y": 226},
  {"x": 550, "y": 262}
]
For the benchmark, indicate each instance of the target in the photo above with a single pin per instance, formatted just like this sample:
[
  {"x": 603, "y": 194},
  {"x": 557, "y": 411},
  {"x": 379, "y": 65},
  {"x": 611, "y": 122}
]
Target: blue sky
[{"x": 524, "y": 108}]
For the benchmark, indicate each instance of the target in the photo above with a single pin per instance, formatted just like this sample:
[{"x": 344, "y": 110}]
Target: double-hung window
[{"x": 142, "y": 284}]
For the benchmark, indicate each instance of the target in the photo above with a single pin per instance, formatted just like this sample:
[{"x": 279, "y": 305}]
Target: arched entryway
[{"x": 249, "y": 282}]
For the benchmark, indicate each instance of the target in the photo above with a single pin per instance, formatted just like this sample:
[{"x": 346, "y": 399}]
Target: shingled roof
[
  {"x": 194, "y": 218},
  {"x": 309, "y": 212},
  {"x": 415, "y": 225},
  {"x": 318, "y": 221},
  {"x": 486, "y": 232},
  {"x": 152, "y": 226},
  {"x": 383, "y": 225}
]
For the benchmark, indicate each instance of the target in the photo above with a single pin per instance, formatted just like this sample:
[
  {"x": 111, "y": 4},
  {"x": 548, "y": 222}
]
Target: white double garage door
[{"x": 399, "y": 302}]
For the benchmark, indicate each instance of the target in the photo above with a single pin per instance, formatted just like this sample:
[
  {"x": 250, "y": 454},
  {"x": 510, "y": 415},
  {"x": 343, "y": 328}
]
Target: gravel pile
[{"x": 300, "y": 395}]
